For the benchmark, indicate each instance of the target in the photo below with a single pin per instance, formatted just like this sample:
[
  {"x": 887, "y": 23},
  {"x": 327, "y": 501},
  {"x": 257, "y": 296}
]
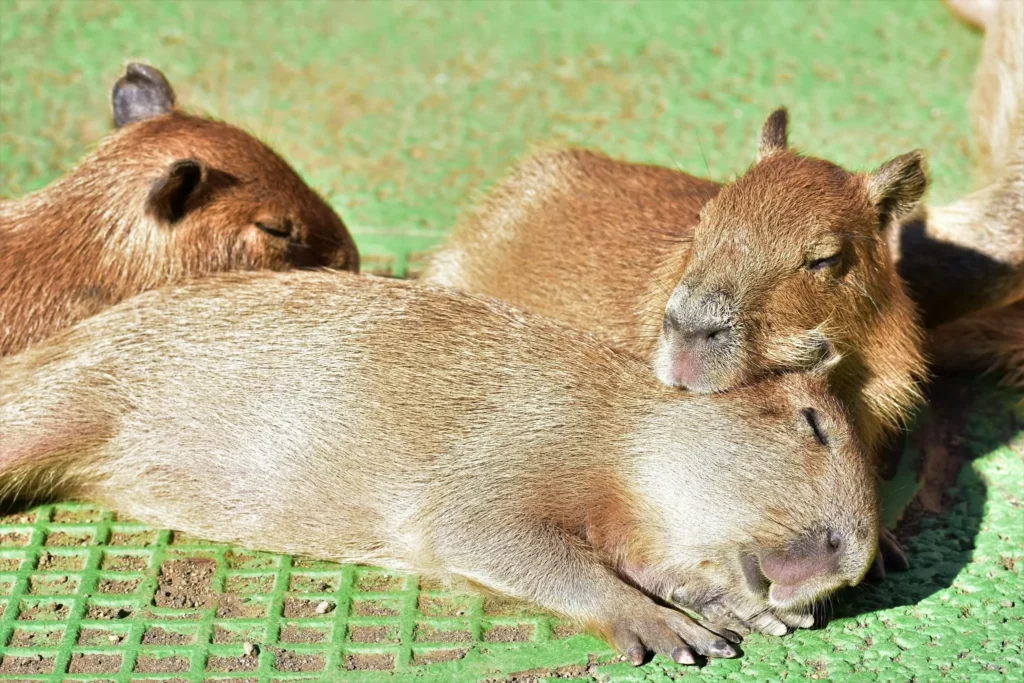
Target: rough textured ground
[{"x": 402, "y": 113}]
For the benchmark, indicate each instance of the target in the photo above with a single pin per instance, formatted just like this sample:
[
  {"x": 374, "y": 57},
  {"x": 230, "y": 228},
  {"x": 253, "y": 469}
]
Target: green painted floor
[{"x": 401, "y": 114}]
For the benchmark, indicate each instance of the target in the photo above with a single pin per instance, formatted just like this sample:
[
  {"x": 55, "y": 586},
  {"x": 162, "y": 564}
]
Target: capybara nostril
[{"x": 834, "y": 540}]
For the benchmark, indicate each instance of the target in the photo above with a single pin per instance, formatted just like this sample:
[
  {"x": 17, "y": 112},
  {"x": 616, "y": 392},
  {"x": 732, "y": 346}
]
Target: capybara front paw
[{"x": 668, "y": 633}]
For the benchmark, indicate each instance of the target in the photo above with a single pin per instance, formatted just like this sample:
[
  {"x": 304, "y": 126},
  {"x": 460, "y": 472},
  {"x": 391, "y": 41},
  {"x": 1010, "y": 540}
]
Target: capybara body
[
  {"x": 784, "y": 269},
  {"x": 379, "y": 421},
  {"x": 166, "y": 197}
]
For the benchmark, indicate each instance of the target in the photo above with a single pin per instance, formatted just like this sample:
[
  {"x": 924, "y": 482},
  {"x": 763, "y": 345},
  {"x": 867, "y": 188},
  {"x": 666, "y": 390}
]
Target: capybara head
[
  {"x": 789, "y": 268},
  {"x": 222, "y": 198},
  {"x": 791, "y": 523}
]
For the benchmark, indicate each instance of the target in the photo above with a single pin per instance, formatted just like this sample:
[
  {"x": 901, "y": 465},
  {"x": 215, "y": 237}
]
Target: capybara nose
[{"x": 814, "y": 556}]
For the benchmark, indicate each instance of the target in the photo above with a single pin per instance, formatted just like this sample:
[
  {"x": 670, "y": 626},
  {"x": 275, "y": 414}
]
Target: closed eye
[
  {"x": 812, "y": 419},
  {"x": 274, "y": 230},
  {"x": 822, "y": 263}
]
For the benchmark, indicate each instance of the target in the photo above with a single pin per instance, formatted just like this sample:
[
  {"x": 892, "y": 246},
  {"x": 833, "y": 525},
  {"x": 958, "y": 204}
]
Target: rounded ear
[
  {"x": 774, "y": 134},
  {"x": 897, "y": 186},
  {"x": 140, "y": 93},
  {"x": 169, "y": 195}
]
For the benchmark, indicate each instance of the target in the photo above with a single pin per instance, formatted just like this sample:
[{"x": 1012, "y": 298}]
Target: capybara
[
  {"x": 166, "y": 197},
  {"x": 385, "y": 422}
]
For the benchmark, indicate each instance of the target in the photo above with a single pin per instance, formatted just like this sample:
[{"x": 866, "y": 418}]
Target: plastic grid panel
[{"x": 89, "y": 597}]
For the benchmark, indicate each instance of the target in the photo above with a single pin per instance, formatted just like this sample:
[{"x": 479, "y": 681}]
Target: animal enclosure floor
[{"x": 401, "y": 114}]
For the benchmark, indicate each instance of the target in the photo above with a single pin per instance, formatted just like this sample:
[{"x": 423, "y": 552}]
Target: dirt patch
[
  {"x": 237, "y": 560},
  {"x": 73, "y": 563},
  {"x": 135, "y": 539},
  {"x": 263, "y": 583},
  {"x": 97, "y": 637},
  {"x": 118, "y": 587},
  {"x": 296, "y": 608},
  {"x": 429, "y": 634},
  {"x": 432, "y": 606},
  {"x": 500, "y": 606},
  {"x": 185, "y": 584},
  {"x": 309, "y": 563},
  {"x": 560, "y": 630},
  {"x": 224, "y": 636},
  {"x": 369, "y": 661},
  {"x": 94, "y": 664},
  {"x": 81, "y": 516},
  {"x": 181, "y": 538},
  {"x": 52, "y": 585},
  {"x": 519, "y": 633},
  {"x": 18, "y": 518},
  {"x": 233, "y": 607},
  {"x": 294, "y": 661},
  {"x": 377, "y": 264},
  {"x": 588, "y": 672},
  {"x": 373, "y": 634},
  {"x": 233, "y": 664},
  {"x": 375, "y": 608},
  {"x": 108, "y": 613},
  {"x": 10, "y": 564},
  {"x": 24, "y": 638},
  {"x": 63, "y": 539},
  {"x": 379, "y": 583},
  {"x": 160, "y": 665},
  {"x": 123, "y": 563},
  {"x": 313, "y": 584},
  {"x": 437, "y": 656},
  {"x": 14, "y": 539},
  {"x": 159, "y": 636},
  {"x": 44, "y": 611},
  {"x": 36, "y": 664},
  {"x": 294, "y": 634}
]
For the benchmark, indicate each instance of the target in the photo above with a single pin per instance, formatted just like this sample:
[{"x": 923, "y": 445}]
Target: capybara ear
[
  {"x": 140, "y": 93},
  {"x": 774, "y": 134},
  {"x": 169, "y": 196},
  {"x": 897, "y": 186}
]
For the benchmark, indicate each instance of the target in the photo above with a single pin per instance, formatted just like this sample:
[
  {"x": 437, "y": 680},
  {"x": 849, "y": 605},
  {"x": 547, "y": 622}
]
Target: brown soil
[
  {"x": 500, "y": 606},
  {"x": 588, "y": 672},
  {"x": 223, "y": 636},
  {"x": 118, "y": 587},
  {"x": 415, "y": 263},
  {"x": 437, "y": 656},
  {"x": 294, "y": 634},
  {"x": 428, "y": 634},
  {"x": 23, "y": 638},
  {"x": 233, "y": 664},
  {"x": 375, "y": 608},
  {"x": 294, "y": 661},
  {"x": 162, "y": 680},
  {"x": 52, "y": 585},
  {"x": 376, "y": 264},
  {"x": 379, "y": 583},
  {"x": 185, "y": 584},
  {"x": 298, "y": 608},
  {"x": 94, "y": 664},
  {"x": 233, "y": 607},
  {"x": 560, "y": 630},
  {"x": 10, "y": 564},
  {"x": 137, "y": 539},
  {"x": 159, "y": 636},
  {"x": 309, "y": 563},
  {"x": 431, "y": 606},
  {"x": 63, "y": 539},
  {"x": 509, "y": 634},
  {"x": 97, "y": 637},
  {"x": 47, "y": 610},
  {"x": 373, "y": 634},
  {"x": 26, "y": 665},
  {"x": 238, "y": 560},
  {"x": 18, "y": 518},
  {"x": 14, "y": 539},
  {"x": 313, "y": 584},
  {"x": 264, "y": 583},
  {"x": 80, "y": 516},
  {"x": 123, "y": 563},
  {"x": 160, "y": 665},
  {"x": 108, "y": 613},
  {"x": 48, "y": 561},
  {"x": 369, "y": 662}
]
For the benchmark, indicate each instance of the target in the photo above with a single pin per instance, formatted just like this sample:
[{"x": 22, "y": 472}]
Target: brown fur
[
  {"x": 610, "y": 247},
  {"x": 379, "y": 421},
  {"x": 113, "y": 226}
]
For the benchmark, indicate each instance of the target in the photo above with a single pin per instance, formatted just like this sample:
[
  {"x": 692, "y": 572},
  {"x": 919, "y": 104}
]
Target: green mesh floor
[{"x": 401, "y": 113}]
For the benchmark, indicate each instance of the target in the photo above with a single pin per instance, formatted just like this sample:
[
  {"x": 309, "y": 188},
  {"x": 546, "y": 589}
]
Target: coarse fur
[
  {"x": 791, "y": 260},
  {"x": 384, "y": 422},
  {"x": 166, "y": 197}
]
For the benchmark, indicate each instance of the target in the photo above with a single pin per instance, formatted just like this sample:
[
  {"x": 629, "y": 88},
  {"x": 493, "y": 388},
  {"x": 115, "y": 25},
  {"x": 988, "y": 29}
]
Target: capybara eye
[
  {"x": 822, "y": 263},
  {"x": 276, "y": 231},
  {"x": 811, "y": 416}
]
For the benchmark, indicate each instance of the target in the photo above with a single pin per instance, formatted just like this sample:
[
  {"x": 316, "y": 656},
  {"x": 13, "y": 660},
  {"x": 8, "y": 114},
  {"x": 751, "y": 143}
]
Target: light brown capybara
[
  {"x": 166, "y": 197},
  {"x": 385, "y": 422}
]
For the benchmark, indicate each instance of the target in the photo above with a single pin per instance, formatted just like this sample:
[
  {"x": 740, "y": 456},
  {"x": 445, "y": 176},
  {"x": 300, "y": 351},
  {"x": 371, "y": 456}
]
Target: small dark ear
[
  {"x": 774, "y": 134},
  {"x": 140, "y": 93},
  {"x": 169, "y": 195},
  {"x": 897, "y": 186}
]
